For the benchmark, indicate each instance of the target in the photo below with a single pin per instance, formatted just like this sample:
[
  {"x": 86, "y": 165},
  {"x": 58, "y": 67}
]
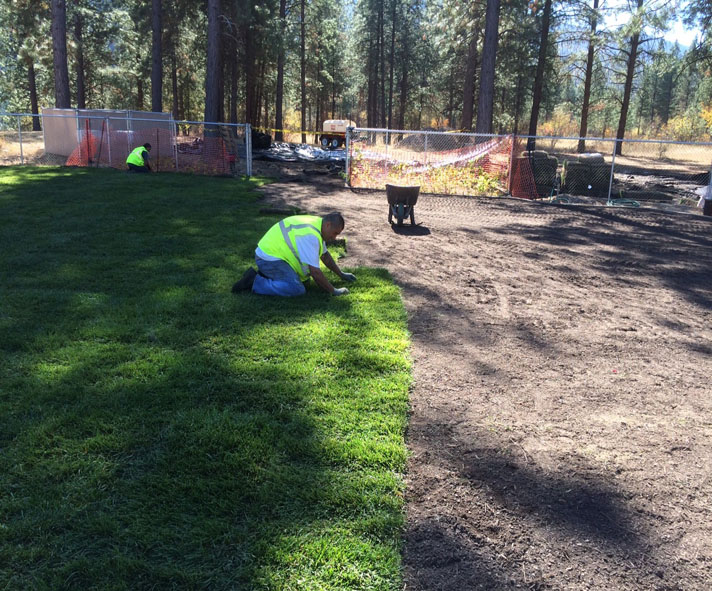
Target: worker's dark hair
[
  {"x": 147, "y": 146},
  {"x": 335, "y": 219}
]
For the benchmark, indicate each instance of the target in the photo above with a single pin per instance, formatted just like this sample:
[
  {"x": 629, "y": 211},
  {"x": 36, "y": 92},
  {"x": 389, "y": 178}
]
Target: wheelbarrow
[{"x": 401, "y": 202}]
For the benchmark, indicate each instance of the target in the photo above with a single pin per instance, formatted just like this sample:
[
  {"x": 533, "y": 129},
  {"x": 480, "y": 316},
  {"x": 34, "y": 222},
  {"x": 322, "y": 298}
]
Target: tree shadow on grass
[{"x": 157, "y": 431}]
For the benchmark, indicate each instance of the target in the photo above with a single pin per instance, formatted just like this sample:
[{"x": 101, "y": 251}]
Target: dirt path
[{"x": 561, "y": 418}]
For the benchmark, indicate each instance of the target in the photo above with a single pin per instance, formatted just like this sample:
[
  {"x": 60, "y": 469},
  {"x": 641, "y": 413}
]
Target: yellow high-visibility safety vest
[
  {"x": 281, "y": 240},
  {"x": 136, "y": 156}
]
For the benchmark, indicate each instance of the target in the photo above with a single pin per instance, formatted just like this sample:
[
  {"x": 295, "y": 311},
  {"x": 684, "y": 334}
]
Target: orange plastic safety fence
[
  {"x": 193, "y": 154},
  {"x": 439, "y": 163},
  {"x": 84, "y": 153},
  {"x": 522, "y": 183},
  {"x": 205, "y": 155},
  {"x": 533, "y": 174}
]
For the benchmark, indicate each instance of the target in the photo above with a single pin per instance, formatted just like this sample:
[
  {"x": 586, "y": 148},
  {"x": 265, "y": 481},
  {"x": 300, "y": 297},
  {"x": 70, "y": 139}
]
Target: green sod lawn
[{"x": 159, "y": 432}]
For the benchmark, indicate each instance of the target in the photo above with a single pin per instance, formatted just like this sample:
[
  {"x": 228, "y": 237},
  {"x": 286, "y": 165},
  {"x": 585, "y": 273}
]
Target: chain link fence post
[
  {"x": 347, "y": 166},
  {"x": 511, "y": 164},
  {"x": 248, "y": 148},
  {"x": 174, "y": 131},
  {"x": 42, "y": 125},
  {"x": 385, "y": 161},
  {"x": 108, "y": 139},
  {"x": 129, "y": 133},
  {"x": 19, "y": 133},
  {"x": 613, "y": 165}
]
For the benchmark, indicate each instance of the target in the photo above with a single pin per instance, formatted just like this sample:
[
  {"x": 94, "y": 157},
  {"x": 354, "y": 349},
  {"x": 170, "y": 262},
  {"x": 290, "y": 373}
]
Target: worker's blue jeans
[{"x": 277, "y": 278}]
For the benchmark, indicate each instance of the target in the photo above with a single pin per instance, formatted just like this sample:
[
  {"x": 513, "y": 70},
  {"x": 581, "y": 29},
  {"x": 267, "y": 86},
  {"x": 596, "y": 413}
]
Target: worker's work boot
[{"x": 246, "y": 281}]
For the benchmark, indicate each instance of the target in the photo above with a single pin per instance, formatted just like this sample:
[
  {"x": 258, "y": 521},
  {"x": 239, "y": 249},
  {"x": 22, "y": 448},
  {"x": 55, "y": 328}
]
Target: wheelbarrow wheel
[{"x": 400, "y": 213}]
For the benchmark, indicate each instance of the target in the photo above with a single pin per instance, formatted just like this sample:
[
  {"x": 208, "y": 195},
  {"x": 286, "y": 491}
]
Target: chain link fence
[
  {"x": 74, "y": 137},
  {"x": 562, "y": 169},
  {"x": 439, "y": 162}
]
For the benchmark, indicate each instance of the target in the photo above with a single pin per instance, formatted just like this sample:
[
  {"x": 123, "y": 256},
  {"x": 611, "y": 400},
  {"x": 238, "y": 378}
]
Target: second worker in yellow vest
[
  {"x": 290, "y": 252},
  {"x": 137, "y": 160}
]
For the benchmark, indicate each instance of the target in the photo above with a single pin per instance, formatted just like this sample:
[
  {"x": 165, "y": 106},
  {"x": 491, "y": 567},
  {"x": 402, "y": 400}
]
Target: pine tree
[{"x": 59, "y": 51}]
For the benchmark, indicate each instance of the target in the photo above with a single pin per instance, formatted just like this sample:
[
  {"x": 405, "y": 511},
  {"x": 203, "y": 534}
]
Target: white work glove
[
  {"x": 340, "y": 291},
  {"x": 348, "y": 277}
]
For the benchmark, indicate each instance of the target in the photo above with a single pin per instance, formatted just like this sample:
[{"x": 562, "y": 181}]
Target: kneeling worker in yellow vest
[
  {"x": 289, "y": 253},
  {"x": 138, "y": 159}
]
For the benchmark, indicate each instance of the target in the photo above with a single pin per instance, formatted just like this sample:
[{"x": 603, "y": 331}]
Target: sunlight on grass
[{"x": 161, "y": 432}]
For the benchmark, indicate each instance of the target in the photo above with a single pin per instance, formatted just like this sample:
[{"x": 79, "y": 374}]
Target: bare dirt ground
[{"x": 561, "y": 417}]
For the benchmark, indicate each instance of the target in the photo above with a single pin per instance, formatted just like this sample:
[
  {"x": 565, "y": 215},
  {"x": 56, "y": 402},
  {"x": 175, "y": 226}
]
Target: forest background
[{"x": 549, "y": 67}]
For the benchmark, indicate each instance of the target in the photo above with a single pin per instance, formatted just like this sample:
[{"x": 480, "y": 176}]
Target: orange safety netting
[
  {"x": 534, "y": 172},
  {"x": 522, "y": 183},
  {"x": 195, "y": 154},
  {"x": 205, "y": 155},
  {"x": 85, "y": 153}
]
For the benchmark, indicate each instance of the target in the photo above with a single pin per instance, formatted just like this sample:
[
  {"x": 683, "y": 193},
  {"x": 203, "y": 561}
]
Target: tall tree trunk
[
  {"x": 485, "y": 104},
  {"x": 221, "y": 82},
  {"x": 376, "y": 74},
  {"x": 370, "y": 85},
  {"x": 32, "y": 81},
  {"x": 279, "y": 91},
  {"x": 181, "y": 101},
  {"x": 382, "y": 61},
  {"x": 187, "y": 88},
  {"x": 392, "y": 65},
  {"x": 265, "y": 93},
  {"x": 157, "y": 58},
  {"x": 539, "y": 77},
  {"x": 627, "y": 89},
  {"x": 318, "y": 107},
  {"x": 334, "y": 74},
  {"x": 583, "y": 130},
  {"x": 404, "y": 78},
  {"x": 230, "y": 58},
  {"x": 234, "y": 75},
  {"x": 139, "y": 94},
  {"x": 81, "y": 86},
  {"x": 303, "y": 71},
  {"x": 667, "y": 90},
  {"x": 181, "y": 109},
  {"x": 259, "y": 91},
  {"x": 502, "y": 103},
  {"x": 317, "y": 89},
  {"x": 468, "y": 95},
  {"x": 212, "y": 82},
  {"x": 451, "y": 100},
  {"x": 518, "y": 100},
  {"x": 653, "y": 98},
  {"x": 62, "y": 99},
  {"x": 174, "y": 81},
  {"x": 251, "y": 105}
]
